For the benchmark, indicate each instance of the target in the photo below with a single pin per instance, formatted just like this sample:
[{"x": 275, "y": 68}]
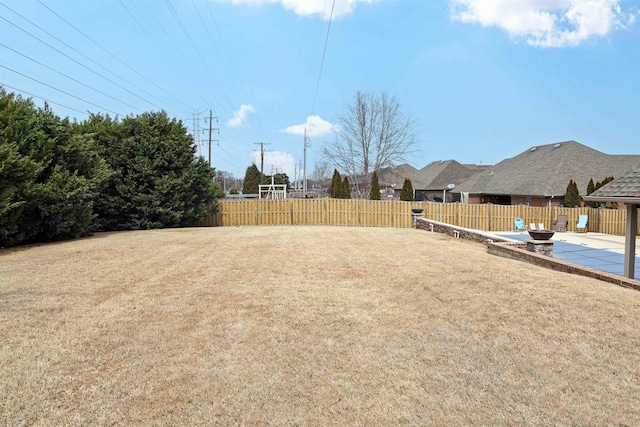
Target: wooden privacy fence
[{"x": 394, "y": 213}]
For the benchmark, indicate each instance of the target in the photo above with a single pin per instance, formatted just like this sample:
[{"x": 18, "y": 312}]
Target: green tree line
[{"x": 61, "y": 179}]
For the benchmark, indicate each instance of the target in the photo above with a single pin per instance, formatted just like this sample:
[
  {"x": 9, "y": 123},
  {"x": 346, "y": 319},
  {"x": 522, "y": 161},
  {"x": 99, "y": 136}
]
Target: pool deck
[{"x": 599, "y": 251}]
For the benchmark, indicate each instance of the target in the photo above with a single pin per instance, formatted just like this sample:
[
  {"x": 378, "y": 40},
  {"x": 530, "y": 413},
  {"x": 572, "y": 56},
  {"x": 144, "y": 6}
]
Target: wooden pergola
[{"x": 624, "y": 190}]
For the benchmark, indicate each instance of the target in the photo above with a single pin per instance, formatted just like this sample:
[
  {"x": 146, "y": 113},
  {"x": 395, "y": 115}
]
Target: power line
[
  {"x": 153, "y": 40},
  {"x": 44, "y": 99},
  {"x": 69, "y": 77},
  {"x": 260, "y": 130},
  {"x": 202, "y": 58},
  {"x": 81, "y": 64},
  {"x": 236, "y": 138},
  {"x": 78, "y": 51},
  {"x": 191, "y": 41},
  {"x": 112, "y": 55},
  {"x": 56, "y": 89},
  {"x": 324, "y": 53},
  {"x": 185, "y": 31},
  {"x": 315, "y": 97}
]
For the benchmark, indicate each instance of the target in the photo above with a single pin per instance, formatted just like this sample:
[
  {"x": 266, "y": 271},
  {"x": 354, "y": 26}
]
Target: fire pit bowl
[
  {"x": 417, "y": 211},
  {"x": 541, "y": 234}
]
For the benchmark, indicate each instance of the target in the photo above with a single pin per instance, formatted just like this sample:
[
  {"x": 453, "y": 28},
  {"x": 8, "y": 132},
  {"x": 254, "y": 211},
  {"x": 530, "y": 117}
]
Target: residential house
[
  {"x": 436, "y": 180},
  {"x": 539, "y": 176},
  {"x": 392, "y": 179}
]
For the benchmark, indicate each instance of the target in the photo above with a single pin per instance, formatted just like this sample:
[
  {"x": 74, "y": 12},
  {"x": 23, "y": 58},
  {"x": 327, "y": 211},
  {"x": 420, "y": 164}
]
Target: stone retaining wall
[
  {"x": 453, "y": 231},
  {"x": 518, "y": 251}
]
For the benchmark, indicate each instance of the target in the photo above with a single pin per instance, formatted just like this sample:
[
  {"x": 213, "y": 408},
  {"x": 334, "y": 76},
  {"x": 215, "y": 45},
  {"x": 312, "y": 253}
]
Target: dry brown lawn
[{"x": 308, "y": 326}]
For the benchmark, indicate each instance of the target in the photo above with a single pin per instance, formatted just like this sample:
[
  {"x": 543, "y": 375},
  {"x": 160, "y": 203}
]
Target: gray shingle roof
[
  {"x": 627, "y": 187},
  {"x": 397, "y": 175},
  {"x": 438, "y": 175},
  {"x": 545, "y": 170}
]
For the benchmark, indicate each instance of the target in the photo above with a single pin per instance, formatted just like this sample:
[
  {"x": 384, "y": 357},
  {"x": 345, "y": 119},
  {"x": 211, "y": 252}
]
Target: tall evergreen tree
[
  {"x": 18, "y": 170},
  {"x": 572, "y": 196},
  {"x": 590, "y": 189},
  {"x": 280, "y": 179},
  {"x": 251, "y": 180},
  {"x": 599, "y": 184},
  {"x": 158, "y": 180},
  {"x": 335, "y": 191},
  {"x": 407, "y": 191},
  {"x": 604, "y": 182},
  {"x": 49, "y": 177},
  {"x": 374, "y": 194},
  {"x": 346, "y": 189}
]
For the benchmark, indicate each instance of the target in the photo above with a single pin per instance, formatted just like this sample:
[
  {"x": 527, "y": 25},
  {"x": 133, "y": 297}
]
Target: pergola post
[{"x": 630, "y": 241}]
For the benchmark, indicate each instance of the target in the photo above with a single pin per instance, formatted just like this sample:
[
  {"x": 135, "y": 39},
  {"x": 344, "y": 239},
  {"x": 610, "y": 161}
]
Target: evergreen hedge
[{"x": 60, "y": 180}]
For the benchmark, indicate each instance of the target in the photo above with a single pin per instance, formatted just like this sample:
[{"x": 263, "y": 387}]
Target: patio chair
[
  {"x": 532, "y": 226},
  {"x": 519, "y": 224},
  {"x": 541, "y": 226},
  {"x": 561, "y": 223},
  {"x": 582, "y": 224}
]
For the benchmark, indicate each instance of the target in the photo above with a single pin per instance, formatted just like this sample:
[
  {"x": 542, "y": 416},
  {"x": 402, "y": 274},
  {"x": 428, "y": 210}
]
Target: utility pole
[
  {"x": 197, "y": 131},
  {"x": 194, "y": 132},
  {"x": 304, "y": 171},
  {"x": 300, "y": 175},
  {"x": 211, "y": 130},
  {"x": 261, "y": 144}
]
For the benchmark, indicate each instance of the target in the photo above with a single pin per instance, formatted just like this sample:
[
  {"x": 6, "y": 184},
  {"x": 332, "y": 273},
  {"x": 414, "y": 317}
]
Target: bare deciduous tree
[
  {"x": 375, "y": 133},
  {"x": 321, "y": 171}
]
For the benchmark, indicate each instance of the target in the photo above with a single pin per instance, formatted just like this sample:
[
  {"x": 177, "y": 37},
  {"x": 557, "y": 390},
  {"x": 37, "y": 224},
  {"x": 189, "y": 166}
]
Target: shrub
[
  {"x": 346, "y": 189},
  {"x": 374, "y": 194},
  {"x": 251, "y": 180},
  {"x": 407, "y": 191},
  {"x": 572, "y": 196},
  {"x": 335, "y": 190}
]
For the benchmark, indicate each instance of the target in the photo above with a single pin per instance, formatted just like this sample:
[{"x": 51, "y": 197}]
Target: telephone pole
[
  {"x": 261, "y": 144},
  {"x": 304, "y": 171}
]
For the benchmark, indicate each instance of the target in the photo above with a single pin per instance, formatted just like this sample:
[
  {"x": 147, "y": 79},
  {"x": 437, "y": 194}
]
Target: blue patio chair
[
  {"x": 582, "y": 224},
  {"x": 519, "y": 224}
]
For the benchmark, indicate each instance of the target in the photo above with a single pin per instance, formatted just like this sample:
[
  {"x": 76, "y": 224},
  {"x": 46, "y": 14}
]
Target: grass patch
[{"x": 308, "y": 326}]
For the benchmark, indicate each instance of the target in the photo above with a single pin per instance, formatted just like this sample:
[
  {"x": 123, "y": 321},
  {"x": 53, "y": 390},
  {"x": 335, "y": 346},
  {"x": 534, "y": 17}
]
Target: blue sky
[{"x": 483, "y": 79}]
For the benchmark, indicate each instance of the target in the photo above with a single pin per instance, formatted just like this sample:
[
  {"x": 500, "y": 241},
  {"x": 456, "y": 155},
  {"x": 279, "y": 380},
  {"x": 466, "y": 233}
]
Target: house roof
[
  {"x": 397, "y": 175},
  {"x": 545, "y": 170},
  {"x": 625, "y": 189},
  {"x": 438, "y": 175}
]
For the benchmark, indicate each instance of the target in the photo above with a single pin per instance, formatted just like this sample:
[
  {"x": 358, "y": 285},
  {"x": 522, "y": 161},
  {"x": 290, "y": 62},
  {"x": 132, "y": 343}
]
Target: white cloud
[
  {"x": 311, "y": 7},
  {"x": 315, "y": 126},
  {"x": 240, "y": 115},
  {"x": 546, "y": 23},
  {"x": 276, "y": 162}
]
